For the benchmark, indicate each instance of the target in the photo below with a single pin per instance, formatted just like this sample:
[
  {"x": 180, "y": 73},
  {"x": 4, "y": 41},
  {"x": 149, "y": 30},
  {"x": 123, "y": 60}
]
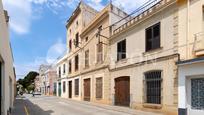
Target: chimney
[{"x": 6, "y": 16}]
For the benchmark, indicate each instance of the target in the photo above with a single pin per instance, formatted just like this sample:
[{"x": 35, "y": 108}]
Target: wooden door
[
  {"x": 70, "y": 89},
  {"x": 87, "y": 91},
  {"x": 122, "y": 91}
]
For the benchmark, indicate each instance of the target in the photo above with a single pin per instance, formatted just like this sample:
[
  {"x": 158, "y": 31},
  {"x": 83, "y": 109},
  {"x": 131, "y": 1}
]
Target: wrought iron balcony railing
[{"x": 146, "y": 10}]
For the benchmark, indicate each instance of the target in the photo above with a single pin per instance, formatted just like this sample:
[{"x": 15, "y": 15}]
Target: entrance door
[
  {"x": 122, "y": 91},
  {"x": 59, "y": 89},
  {"x": 197, "y": 97},
  {"x": 87, "y": 91},
  {"x": 70, "y": 89}
]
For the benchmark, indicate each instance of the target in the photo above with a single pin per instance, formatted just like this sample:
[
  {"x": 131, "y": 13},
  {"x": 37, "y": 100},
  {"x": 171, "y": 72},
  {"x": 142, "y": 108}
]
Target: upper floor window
[
  {"x": 121, "y": 50},
  {"x": 77, "y": 23},
  {"x": 77, "y": 40},
  {"x": 64, "y": 68},
  {"x": 70, "y": 31},
  {"x": 99, "y": 52},
  {"x": 153, "y": 87},
  {"x": 86, "y": 58},
  {"x": 59, "y": 71},
  {"x": 70, "y": 66},
  {"x": 153, "y": 37},
  {"x": 70, "y": 45},
  {"x": 100, "y": 27},
  {"x": 87, "y": 38},
  {"x": 76, "y": 62}
]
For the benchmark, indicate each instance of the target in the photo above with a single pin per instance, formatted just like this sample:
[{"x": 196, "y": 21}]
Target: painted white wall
[{"x": 186, "y": 71}]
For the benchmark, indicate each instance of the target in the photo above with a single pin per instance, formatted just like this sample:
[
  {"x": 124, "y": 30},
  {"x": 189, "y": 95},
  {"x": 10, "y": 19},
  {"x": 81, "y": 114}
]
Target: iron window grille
[
  {"x": 153, "y": 89},
  {"x": 153, "y": 37},
  {"x": 76, "y": 87},
  {"x": 121, "y": 50}
]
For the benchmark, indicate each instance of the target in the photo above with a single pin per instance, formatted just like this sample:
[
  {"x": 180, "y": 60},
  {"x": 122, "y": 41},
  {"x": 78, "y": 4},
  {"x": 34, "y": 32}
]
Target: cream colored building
[
  {"x": 80, "y": 18},
  {"x": 7, "y": 74},
  {"x": 143, "y": 59},
  {"x": 88, "y": 59}
]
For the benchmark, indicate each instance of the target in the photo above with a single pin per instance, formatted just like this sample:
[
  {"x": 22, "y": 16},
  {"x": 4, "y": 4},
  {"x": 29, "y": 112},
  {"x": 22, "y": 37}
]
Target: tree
[{"x": 28, "y": 80}]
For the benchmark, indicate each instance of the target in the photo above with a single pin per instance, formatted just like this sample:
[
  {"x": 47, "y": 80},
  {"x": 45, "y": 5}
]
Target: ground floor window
[
  {"x": 99, "y": 88},
  {"x": 197, "y": 93},
  {"x": 153, "y": 87},
  {"x": 76, "y": 86},
  {"x": 64, "y": 86}
]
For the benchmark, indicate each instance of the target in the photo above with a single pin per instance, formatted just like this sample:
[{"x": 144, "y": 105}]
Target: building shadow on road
[{"x": 23, "y": 106}]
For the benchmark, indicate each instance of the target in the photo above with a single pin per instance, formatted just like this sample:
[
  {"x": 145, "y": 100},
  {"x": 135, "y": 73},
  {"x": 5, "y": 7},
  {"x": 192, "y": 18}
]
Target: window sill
[
  {"x": 122, "y": 60},
  {"x": 152, "y": 106},
  {"x": 152, "y": 51}
]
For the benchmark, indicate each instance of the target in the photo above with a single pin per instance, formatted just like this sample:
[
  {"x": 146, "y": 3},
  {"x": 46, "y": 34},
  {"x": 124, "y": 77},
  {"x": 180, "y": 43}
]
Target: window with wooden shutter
[
  {"x": 70, "y": 66},
  {"x": 64, "y": 86},
  {"x": 64, "y": 68},
  {"x": 70, "y": 45},
  {"x": 76, "y": 63},
  {"x": 121, "y": 50},
  {"x": 59, "y": 71},
  {"x": 99, "y": 52},
  {"x": 77, "y": 40},
  {"x": 99, "y": 88},
  {"x": 76, "y": 87},
  {"x": 86, "y": 58},
  {"x": 153, "y": 37}
]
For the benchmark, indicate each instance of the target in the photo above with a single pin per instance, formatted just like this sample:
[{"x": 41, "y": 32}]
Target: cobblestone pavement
[{"x": 44, "y": 105}]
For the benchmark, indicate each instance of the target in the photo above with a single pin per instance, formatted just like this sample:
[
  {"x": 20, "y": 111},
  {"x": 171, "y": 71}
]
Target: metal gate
[{"x": 122, "y": 91}]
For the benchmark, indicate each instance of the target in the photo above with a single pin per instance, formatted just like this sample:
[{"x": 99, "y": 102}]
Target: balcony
[{"x": 198, "y": 46}]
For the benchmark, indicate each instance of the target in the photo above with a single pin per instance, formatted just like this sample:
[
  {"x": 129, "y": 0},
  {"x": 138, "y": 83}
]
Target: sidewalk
[{"x": 115, "y": 108}]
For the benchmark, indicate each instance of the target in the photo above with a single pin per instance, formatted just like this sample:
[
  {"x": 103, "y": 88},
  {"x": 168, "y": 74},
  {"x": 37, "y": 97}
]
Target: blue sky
[{"x": 37, "y": 28}]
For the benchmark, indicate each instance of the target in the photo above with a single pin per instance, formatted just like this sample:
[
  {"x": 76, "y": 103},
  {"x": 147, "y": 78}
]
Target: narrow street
[{"x": 43, "y": 105}]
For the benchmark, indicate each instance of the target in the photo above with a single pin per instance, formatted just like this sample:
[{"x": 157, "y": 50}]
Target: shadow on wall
[{"x": 25, "y": 107}]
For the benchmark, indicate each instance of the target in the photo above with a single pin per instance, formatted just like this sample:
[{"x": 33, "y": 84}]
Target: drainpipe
[{"x": 188, "y": 30}]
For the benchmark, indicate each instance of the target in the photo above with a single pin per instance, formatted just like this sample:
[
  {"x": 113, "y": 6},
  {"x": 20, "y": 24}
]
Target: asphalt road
[{"x": 42, "y": 105}]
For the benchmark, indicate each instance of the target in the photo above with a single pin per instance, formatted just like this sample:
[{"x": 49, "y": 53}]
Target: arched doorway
[{"x": 122, "y": 91}]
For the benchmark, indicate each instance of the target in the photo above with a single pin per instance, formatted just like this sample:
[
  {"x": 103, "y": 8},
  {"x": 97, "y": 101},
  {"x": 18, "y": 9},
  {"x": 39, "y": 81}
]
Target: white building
[
  {"x": 62, "y": 80},
  {"x": 7, "y": 74}
]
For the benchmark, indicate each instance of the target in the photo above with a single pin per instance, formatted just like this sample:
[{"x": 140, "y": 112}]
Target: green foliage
[{"x": 28, "y": 81}]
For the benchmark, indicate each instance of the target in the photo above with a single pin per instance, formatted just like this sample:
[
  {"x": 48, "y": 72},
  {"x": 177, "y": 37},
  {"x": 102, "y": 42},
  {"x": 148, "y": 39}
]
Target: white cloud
[
  {"x": 96, "y": 4},
  {"x": 129, "y": 5},
  {"x": 56, "y": 50},
  {"x": 20, "y": 12}
]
